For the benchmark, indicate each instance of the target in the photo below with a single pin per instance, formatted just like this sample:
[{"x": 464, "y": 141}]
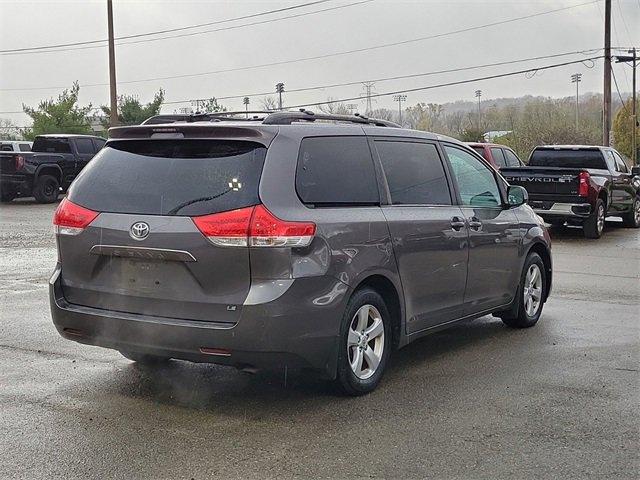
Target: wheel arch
[
  {"x": 48, "y": 169},
  {"x": 545, "y": 254}
]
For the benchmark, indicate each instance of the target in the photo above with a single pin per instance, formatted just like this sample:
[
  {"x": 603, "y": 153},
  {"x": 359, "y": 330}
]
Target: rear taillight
[
  {"x": 255, "y": 227},
  {"x": 71, "y": 219},
  {"x": 19, "y": 162},
  {"x": 583, "y": 187}
]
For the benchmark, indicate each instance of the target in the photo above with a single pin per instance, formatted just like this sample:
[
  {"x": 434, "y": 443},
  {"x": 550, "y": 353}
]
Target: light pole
[
  {"x": 577, "y": 78},
  {"x": 245, "y": 101},
  {"x": 478, "y": 96},
  {"x": 279, "y": 90},
  {"x": 399, "y": 99},
  {"x": 634, "y": 114},
  {"x": 113, "y": 95}
]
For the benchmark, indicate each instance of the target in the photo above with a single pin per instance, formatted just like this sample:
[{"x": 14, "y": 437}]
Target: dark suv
[{"x": 290, "y": 240}]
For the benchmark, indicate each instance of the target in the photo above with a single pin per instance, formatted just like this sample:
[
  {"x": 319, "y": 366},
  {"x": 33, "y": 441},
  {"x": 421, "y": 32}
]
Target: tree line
[{"x": 525, "y": 122}]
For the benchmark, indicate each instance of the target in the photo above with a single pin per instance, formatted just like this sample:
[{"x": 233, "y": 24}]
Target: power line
[
  {"x": 323, "y": 56},
  {"x": 158, "y": 32},
  {"x": 440, "y": 85},
  {"x": 190, "y": 34}
]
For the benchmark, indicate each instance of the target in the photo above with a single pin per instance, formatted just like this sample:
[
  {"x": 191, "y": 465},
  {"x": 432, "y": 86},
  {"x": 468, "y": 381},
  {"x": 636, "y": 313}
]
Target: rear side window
[
  {"x": 498, "y": 157},
  {"x": 51, "y": 145},
  {"x": 579, "y": 158},
  {"x": 512, "y": 159},
  {"x": 336, "y": 171},
  {"x": 84, "y": 146},
  {"x": 25, "y": 147},
  {"x": 171, "y": 177},
  {"x": 414, "y": 173}
]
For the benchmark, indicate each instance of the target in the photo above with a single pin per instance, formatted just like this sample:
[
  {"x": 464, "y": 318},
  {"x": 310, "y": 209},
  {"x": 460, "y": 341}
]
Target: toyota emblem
[{"x": 139, "y": 230}]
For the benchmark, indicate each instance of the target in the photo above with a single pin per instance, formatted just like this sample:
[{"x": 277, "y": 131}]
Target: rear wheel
[
  {"x": 8, "y": 194},
  {"x": 594, "y": 225},
  {"x": 145, "y": 359},
  {"x": 46, "y": 189},
  {"x": 632, "y": 218},
  {"x": 530, "y": 299},
  {"x": 365, "y": 343}
]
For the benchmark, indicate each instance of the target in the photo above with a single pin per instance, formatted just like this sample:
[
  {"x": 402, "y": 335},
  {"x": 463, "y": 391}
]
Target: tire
[
  {"x": 632, "y": 218},
  {"x": 594, "y": 225},
  {"x": 144, "y": 359},
  {"x": 365, "y": 308},
  {"x": 46, "y": 189},
  {"x": 524, "y": 314},
  {"x": 8, "y": 194}
]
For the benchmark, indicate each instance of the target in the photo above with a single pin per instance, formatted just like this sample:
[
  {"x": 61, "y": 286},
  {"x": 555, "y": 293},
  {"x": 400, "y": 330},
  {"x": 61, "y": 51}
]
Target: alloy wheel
[
  {"x": 365, "y": 341},
  {"x": 600, "y": 219},
  {"x": 533, "y": 290}
]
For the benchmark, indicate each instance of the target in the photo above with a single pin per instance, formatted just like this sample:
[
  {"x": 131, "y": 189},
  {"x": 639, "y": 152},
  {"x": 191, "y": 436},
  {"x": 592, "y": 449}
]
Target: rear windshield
[
  {"x": 171, "y": 177},
  {"x": 51, "y": 145},
  {"x": 585, "y": 158}
]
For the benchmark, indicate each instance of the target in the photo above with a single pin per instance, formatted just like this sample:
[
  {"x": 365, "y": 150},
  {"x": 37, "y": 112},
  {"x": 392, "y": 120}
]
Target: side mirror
[
  {"x": 635, "y": 171},
  {"x": 516, "y": 196}
]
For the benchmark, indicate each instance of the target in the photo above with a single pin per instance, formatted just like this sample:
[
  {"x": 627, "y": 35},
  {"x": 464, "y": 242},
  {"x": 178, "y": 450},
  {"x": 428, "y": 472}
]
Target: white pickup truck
[{"x": 15, "y": 146}]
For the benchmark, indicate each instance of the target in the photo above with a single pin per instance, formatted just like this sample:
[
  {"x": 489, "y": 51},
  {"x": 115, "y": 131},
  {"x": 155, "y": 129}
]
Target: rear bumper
[
  {"x": 291, "y": 331},
  {"x": 562, "y": 210}
]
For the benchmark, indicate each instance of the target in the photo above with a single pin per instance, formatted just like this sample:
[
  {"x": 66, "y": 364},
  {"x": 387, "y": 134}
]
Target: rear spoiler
[{"x": 255, "y": 133}]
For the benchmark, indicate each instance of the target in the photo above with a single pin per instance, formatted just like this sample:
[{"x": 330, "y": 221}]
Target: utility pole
[
  {"x": 245, "y": 101},
  {"x": 633, "y": 59},
  {"x": 399, "y": 99},
  {"x": 368, "y": 89},
  {"x": 606, "y": 110},
  {"x": 478, "y": 96},
  {"x": 577, "y": 78},
  {"x": 113, "y": 93},
  {"x": 279, "y": 90}
]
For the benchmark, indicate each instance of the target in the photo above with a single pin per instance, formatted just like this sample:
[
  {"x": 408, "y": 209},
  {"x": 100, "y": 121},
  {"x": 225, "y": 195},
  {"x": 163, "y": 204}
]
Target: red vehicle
[{"x": 497, "y": 155}]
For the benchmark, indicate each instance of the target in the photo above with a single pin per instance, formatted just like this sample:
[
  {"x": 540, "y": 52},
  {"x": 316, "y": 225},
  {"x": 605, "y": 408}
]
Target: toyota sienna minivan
[{"x": 289, "y": 239}]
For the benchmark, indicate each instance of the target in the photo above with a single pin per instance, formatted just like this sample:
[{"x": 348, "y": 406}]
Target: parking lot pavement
[{"x": 476, "y": 401}]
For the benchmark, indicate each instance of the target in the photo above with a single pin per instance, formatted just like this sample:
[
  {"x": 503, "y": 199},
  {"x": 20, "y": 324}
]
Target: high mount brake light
[
  {"x": 254, "y": 227},
  {"x": 72, "y": 219},
  {"x": 583, "y": 188}
]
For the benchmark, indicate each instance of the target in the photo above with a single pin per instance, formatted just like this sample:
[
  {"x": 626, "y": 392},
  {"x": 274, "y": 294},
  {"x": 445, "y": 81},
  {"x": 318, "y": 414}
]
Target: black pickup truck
[
  {"x": 580, "y": 185},
  {"x": 48, "y": 169}
]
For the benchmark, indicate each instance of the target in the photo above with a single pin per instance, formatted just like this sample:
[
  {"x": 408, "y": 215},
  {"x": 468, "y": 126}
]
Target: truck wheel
[
  {"x": 8, "y": 194},
  {"x": 46, "y": 189},
  {"x": 632, "y": 218},
  {"x": 528, "y": 306},
  {"x": 594, "y": 225}
]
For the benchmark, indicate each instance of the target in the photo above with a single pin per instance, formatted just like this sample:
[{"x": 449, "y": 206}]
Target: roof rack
[
  {"x": 287, "y": 118},
  {"x": 268, "y": 117}
]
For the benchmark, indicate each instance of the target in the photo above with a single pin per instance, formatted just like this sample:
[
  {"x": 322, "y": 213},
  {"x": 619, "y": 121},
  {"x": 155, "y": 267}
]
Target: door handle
[
  {"x": 475, "y": 224},
  {"x": 457, "y": 223}
]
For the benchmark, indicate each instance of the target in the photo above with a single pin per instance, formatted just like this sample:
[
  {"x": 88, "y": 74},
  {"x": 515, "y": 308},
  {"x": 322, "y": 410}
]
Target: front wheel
[
  {"x": 530, "y": 299},
  {"x": 365, "y": 343},
  {"x": 632, "y": 219}
]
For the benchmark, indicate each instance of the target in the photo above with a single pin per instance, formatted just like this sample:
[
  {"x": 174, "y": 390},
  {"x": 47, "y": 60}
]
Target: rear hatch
[
  {"x": 543, "y": 181},
  {"x": 143, "y": 253}
]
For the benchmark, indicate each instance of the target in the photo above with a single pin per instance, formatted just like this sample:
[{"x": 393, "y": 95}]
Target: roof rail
[
  {"x": 287, "y": 118},
  {"x": 242, "y": 115}
]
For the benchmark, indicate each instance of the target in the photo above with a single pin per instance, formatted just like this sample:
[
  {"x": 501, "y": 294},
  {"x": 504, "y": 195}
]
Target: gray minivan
[{"x": 290, "y": 239}]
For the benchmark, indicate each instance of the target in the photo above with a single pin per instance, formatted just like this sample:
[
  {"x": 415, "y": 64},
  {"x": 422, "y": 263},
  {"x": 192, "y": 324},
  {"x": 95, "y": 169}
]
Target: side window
[
  {"x": 476, "y": 183},
  {"x": 414, "y": 172},
  {"x": 85, "y": 146},
  {"x": 99, "y": 143},
  {"x": 512, "y": 158},
  {"x": 25, "y": 147},
  {"x": 620, "y": 165},
  {"x": 498, "y": 157},
  {"x": 6, "y": 147},
  {"x": 611, "y": 162},
  {"x": 336, "y": 170}
]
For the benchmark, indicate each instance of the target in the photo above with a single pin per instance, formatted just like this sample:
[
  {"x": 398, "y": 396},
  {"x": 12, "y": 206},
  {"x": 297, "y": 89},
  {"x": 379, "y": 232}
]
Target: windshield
[
  {"x": 171, "y": 177},
  {"x": 584, "y": 158}
]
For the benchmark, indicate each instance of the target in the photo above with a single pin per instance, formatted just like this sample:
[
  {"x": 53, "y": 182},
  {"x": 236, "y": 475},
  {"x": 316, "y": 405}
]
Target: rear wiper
[{"x": 175, "y": 210}]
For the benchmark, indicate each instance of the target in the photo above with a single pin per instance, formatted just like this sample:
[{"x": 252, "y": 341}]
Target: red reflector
[
  {"x": 220, "y": 352},
  {"x": 19, "y": 162},
  {"x": 71, "y": 219},
  {"x": 583, "y": 188},
  {"x": 254, "y": 226}
]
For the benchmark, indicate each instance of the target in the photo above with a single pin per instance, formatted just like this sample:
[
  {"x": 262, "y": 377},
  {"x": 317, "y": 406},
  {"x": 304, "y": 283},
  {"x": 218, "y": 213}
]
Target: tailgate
[
  {"x": 8, "y": 162},
  {"x": 543, "y": 182}
]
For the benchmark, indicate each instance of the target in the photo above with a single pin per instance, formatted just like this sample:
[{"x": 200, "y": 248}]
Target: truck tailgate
[{"x": 545, "y": 182}]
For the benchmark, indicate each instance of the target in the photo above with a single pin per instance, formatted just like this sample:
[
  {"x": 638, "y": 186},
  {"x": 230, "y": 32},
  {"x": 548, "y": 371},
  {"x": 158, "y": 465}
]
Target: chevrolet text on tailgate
[
  {"x": 580, "y": 185},
  {"x": 290, "y": 240}
]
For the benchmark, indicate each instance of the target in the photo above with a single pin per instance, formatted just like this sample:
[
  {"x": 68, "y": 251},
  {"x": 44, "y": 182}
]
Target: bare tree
[
  {"x": 334, "y": 108},
  {"x": 269, "y": 103}
]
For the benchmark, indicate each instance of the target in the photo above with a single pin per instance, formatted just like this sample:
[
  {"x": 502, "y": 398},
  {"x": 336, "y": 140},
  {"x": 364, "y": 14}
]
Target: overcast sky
[{"x": 355, "y": 26}]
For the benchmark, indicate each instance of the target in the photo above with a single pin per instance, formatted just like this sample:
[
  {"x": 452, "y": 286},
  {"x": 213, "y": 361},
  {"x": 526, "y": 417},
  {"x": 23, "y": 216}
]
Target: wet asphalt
[{"x": 479, "y": 400}]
